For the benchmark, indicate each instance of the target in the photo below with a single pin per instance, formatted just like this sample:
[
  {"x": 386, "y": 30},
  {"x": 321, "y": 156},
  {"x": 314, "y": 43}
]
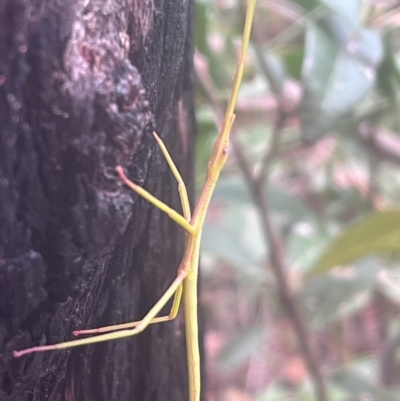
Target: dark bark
[{"x": 82, "y": 86}]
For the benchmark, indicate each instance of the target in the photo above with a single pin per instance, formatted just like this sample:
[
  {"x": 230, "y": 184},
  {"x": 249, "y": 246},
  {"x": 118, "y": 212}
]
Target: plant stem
[{"x": 273, "y": 241}]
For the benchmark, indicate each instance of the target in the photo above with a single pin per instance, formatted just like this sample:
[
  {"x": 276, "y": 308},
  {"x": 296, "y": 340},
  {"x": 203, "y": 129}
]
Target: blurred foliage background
[{"x": 300, "y": 262}]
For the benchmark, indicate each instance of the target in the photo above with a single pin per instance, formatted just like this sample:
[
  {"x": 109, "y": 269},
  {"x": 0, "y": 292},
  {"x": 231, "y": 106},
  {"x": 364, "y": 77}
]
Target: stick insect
[{"x": 185, "y": 282}]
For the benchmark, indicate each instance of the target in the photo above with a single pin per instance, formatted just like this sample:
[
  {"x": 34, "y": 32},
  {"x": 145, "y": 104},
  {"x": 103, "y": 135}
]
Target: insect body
[{"x": 186, "y": 280}]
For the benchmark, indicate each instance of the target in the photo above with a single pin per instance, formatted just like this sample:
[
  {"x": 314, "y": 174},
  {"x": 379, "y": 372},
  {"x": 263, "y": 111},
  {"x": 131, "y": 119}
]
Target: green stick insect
[{"x": 186, "y": 280}]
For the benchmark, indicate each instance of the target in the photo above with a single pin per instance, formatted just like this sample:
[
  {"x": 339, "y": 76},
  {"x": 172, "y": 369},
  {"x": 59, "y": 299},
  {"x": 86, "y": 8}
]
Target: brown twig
[
  {"x": 273, "y": 241},
  {"x": 277, "y": 262},
  {"x": 385, "y": 144}
]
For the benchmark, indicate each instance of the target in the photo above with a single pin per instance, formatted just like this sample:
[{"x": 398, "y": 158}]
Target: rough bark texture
[{"x": 82, "y": 85}]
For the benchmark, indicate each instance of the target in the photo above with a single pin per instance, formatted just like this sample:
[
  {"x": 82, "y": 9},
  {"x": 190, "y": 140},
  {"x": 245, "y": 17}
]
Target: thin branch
[
  {"x": 272, "y": 239},
  {"x": 385, "y": 144},
  {"x": 275, "y": 244},
  {"x": 273, "y": 149}
]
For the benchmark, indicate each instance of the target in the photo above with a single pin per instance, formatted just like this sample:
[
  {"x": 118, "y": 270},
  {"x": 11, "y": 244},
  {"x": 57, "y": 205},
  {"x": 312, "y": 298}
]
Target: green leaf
[
  {"x": 359, "y": 378},
  {"x": 293, "y": 59},
  {"x": 305, "y": 243},
  {"x": 273, "y": 68},
  {"x": 339, "y": 69},
  {"x": 379, "y": 232},
  {"x": 348, "y": 9},
  {"x": 389, "y": 77},
  {"x": 278, "y": 392},
  {"x": 244, "y": 221},
  {"x": 308, "y": 5},
  {"x": 282, "y": 201},
  {"x": 329, "y": 298},
  {"x": 201, "y": 27},
  {"x": 389, "y": 284},
  {"x": 242, "y": 347},
  {"x": 204, "y": 142},
  {"x": 272, "y": 393},
  {"x": 232, "y": 190},
  {"x": 236, "y": 191},
  {"x": 226, "y": 245}
]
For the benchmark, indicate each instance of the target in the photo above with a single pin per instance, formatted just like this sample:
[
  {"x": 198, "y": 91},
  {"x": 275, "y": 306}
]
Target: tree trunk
[{"x": 83, "y": 83}]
